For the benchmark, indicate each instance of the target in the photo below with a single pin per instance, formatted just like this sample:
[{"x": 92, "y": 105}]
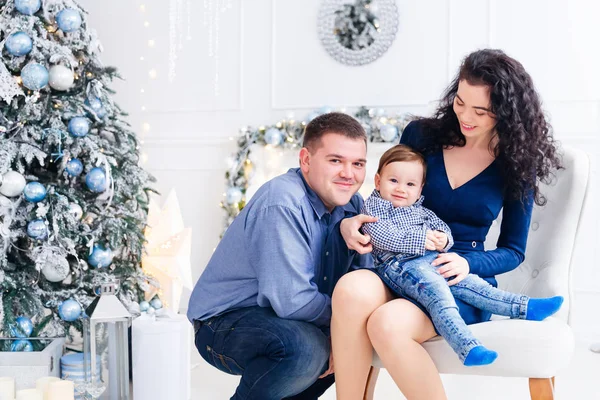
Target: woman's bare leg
[
  {"x": 396, "y": 330},
  {"x": 355, "y": 297}
]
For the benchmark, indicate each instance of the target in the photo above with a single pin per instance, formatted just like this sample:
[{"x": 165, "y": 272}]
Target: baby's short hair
[{"x": 402, "y": 152}]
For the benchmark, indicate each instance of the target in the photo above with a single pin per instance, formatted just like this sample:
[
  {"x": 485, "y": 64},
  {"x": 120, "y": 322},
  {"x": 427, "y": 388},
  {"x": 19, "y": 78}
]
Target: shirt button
[
  {"x": 324, "y": 278},
  {"x": 326, "y": 253},
  {"x": 474, "y": 244}
]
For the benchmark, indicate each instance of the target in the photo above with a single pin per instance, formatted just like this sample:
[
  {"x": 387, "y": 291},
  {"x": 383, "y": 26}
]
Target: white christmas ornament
[
  {"x": 61, "y": 77},
  {"x": 169, "y": 247},
  {"x": 13, "y": 184},
  {"x": 76, "y": 210},
  {"x": 57, "y": 272}
]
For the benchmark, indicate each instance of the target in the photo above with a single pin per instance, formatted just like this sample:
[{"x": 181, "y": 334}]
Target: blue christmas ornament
[
  {"x": 312, "y": 116},
  {"x": 325, "y": 110},
  {"x": 233, "y": 195},
  {"x": 156, "y": 303},
  {"x": 95, "y": 104},
  {"x": 22, "y": 328},
  {"x": 68, "y": 20},
  {"x": 101, "y": 257},
  {"x": 274, "y": 137},
  {"x": 37, "y": 229},
  {"x": 79, "y": 126},
  {"x": 69, "y": 310},
  {"x": 18, "y": 44},
  {"x": 96, "y": 180},
  {"x": 144, "y": 306},
  {"x": 388, "y": 132},
  {"x": 74, "y": 167},
  {"x": 21, "y": 345},
  {"x": 34, "y": 76},
  {"x": 28, "y": 7},
  {"x": 34, "y": 192}
]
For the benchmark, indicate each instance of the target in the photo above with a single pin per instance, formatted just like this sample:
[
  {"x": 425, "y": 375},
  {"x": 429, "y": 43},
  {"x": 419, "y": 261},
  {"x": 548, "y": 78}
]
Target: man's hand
[
  {"x": 330, "y": 369},
  {"x": 349, "y": 228},
  {"x": 452, "y": 265}
]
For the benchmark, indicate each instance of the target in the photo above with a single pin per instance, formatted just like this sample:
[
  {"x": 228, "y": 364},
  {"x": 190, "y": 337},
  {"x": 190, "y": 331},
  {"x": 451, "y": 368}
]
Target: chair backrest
[{"x": 547, "y": 268}]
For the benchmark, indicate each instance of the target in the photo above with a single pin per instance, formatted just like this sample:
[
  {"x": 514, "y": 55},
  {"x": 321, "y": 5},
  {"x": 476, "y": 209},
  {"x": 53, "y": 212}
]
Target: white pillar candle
[
  {"x": 42, "y": 384},
  {"x": 29, "y": 394},
  {"x": 7, "y": 388},
  {"x": 61, "y": 390}
]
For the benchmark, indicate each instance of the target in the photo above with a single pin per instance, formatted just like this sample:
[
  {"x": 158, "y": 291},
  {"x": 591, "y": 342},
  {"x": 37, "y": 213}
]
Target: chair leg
[
  {"x": 371, "y": 381},
  {"x": 541, "y": 388}
]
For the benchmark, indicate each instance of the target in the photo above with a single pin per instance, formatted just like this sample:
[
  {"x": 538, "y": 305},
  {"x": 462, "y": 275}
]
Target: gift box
[
  {"x": 41, "y": 359},
  {"x": 161, "y": 357}
]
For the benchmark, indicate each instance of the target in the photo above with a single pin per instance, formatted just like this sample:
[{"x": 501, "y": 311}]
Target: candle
[
  {"x": 29, "y": 394},
  {"x": 61, "y": 390},
  {"x": 42, "y": 384},
  {"x": 7, "y": 388}
]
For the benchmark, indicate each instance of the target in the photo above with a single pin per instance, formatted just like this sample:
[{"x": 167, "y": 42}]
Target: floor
[{"x": 578, "y": 382}]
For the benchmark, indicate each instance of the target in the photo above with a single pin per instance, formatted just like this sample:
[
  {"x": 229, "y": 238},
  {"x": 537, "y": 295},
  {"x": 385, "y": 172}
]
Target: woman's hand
[
  {"x": 349, "y": 228},
  {"x": 452, "y": 265}
]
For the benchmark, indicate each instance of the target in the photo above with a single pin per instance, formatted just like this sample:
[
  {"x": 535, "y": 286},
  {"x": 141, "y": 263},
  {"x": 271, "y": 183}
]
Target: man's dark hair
[{"x": 335, "y": 122}]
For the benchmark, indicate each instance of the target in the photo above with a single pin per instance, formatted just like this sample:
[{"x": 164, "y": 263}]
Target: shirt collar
[{"x": 417, "y": 203}]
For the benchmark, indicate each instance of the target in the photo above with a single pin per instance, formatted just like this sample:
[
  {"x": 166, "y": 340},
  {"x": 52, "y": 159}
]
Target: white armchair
[{"x": 529, "y": 349}]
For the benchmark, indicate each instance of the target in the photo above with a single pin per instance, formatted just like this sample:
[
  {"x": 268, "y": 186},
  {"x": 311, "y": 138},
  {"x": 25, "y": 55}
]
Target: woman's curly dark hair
[{"x": 525, "y": 143}]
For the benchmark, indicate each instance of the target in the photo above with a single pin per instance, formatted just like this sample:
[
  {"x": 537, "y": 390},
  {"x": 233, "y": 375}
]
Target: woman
[{"x": 487, "y": 147}]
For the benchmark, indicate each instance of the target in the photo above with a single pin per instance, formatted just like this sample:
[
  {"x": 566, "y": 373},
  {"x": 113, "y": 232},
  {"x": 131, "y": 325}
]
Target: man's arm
[{"x": 277, "y": 241}]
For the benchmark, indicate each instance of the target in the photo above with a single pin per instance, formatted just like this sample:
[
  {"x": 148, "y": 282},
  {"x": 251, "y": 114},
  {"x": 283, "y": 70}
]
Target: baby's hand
[
  {"x": 430, "y": 240},
  {"x": 441, "y": 240}
]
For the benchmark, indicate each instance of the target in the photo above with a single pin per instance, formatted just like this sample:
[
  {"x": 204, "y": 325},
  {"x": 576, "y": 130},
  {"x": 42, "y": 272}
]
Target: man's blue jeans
[
  {"x": 417, "y": 279},
  {"x": 277, "y": 358}
]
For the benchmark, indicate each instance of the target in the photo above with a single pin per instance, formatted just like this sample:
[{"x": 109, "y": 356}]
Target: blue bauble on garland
[
  {"x": 22, "y": 328},
  {"x": 388, "y": 132},
  {"x": 37, "y": 229},
  {"x": 68, "y": 20},
  {"x": 274, "y": 137},
  {"x": 233, "y": 195},
  {"x": 79, "y": 126},
  {"x": 69, "y": 310},
  {"x": 95, "y": 104},
  {"x": 18, "y": 44},
  {"x": 74, "y": 167},
  {"x": 21, "y": 345},
  {"x": 144, "y": 306},
  {"x": 96, "y": 180},
  {"x": 101, "y": 257},
  {"x": 28, "y": 7},
  {"x": 156, "y": 303},
  {"x": 34, "y": 76},
  {"x": 34, "y": 192}
]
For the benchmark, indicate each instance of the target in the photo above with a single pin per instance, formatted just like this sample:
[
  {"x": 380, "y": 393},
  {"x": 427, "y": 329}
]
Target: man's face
[{"x": 335, "y": 168}]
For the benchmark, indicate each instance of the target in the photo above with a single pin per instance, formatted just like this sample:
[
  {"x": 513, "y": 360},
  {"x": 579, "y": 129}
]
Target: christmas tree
[{"x": 73, "y": 198}]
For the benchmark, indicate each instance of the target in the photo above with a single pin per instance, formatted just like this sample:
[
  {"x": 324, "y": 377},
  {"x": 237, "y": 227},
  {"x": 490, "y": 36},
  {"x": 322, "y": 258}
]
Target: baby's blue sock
[
  {"x": 480, "y": 356},
  {"x": 539, "y": 309}
]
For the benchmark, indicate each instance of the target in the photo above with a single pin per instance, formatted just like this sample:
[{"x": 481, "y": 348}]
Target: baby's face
[{"x": 400, "y": 182}]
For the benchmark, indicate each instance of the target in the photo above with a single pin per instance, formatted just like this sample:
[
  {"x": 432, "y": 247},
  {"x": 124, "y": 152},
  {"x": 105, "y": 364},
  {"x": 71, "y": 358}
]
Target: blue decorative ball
[
  {"x": 312, "y": 116},
  {"x": 95, "y": 104},
  {"x": 101, "y": 257},
  {"x": 233, "y": 195},
  {"x": 68, "y": 20},
  {"x": 34, "y": 76},
  {"x": 388, "y": 132},
  {"x": 325, "y": 110},
  {"x": 274, "y": 137},
  {"x": 34, "y": 192},
  {"x": 156, "y": 303},
  {"x": 79, "y": 126},
  {"x": 69, "y": 310},
  {"x": 22, "y": 328},
  {"x": 96, "y": 180},
  {"x": 21, "y": 345},
  {"x": 28, "y": 7},
  {"x": 18, "y": 44},
  {"x": 144, "y": 306},
  {"x": 37, "y": 229},
  {"x": 74, "y": 167}
]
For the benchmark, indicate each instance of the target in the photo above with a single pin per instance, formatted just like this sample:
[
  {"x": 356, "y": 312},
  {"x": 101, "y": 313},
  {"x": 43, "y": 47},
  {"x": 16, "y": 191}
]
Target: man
[{"x": 262, "y": 307}]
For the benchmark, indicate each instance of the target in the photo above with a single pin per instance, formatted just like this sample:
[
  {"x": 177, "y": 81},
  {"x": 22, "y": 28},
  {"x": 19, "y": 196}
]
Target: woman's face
[{"x": 472, "y": 106}]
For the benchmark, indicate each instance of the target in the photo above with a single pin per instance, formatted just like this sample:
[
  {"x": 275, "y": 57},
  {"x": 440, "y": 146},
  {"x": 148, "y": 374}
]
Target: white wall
[{"x": 270, "y": 63}]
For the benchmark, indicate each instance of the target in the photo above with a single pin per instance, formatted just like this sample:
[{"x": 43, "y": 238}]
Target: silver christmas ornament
[
  {"x": 61, "y": 78},
  {"x": 13, "y": 184}
]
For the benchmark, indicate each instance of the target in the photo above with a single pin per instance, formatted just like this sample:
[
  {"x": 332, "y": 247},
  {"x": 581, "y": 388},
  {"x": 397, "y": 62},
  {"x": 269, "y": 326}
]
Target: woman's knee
[
  {"x": 399, "y": 320},
  {"x": 359, "y": 292}
]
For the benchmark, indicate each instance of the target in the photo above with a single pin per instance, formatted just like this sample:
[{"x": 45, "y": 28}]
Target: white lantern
[{"x": 105, "y": 336}]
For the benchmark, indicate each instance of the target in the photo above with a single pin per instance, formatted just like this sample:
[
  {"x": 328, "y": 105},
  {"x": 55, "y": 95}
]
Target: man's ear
[
  {"x": 304, "y": 159},
  {"x": 377, "y": 181}
]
